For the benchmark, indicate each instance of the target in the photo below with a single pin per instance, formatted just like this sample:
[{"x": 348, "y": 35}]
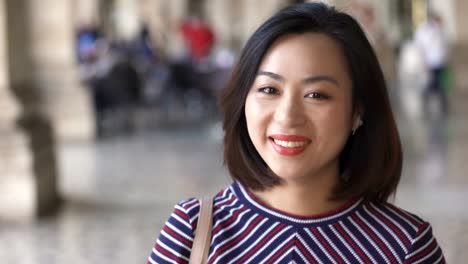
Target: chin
[{"x": 288, "y": 175}]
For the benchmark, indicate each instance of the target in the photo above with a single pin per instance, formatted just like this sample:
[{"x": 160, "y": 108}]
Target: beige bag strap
[{"x": 202, "y": 240}]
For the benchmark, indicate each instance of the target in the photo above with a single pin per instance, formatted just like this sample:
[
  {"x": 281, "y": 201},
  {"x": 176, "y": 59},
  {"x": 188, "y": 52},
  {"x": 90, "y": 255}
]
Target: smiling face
[{"x": 299, "y": 108}]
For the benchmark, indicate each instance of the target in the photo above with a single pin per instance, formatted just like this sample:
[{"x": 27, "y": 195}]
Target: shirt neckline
[{"x": 333, "y": 216}]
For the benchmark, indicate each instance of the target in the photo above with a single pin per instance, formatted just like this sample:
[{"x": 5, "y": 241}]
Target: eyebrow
[
  {"x": 310, "y": 79},
  {"x": 271, "y": 75}
]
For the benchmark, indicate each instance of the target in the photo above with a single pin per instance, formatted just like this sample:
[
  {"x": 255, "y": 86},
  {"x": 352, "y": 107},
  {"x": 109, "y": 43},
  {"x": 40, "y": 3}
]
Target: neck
[{"x": 302, "y": 197}]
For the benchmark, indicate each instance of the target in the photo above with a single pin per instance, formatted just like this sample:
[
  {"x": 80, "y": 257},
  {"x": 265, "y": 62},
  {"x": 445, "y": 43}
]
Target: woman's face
[{"x": 299, "y": 108}]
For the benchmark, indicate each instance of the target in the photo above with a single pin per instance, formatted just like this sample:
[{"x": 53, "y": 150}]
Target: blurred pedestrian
[
  {"x": 87, "y": 36},
  {"x": 144, "y": 53},
  {"x": 433, "y": 44},
  {"x": 198, "y": 37}
]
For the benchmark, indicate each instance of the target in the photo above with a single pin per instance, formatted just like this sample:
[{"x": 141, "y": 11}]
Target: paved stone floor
[{"x": 120, "y": 191}]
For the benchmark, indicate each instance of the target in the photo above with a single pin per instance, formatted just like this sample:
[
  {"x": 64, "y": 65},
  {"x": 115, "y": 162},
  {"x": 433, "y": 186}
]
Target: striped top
[{"x": 247, "y": 231}]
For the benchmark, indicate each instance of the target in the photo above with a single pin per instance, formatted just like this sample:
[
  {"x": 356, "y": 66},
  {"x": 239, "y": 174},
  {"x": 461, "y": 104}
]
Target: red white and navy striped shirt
[{"x": 247, "y": 231}]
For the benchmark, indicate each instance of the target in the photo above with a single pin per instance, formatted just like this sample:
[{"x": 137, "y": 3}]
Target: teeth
[{"x": 290, "y": 144}]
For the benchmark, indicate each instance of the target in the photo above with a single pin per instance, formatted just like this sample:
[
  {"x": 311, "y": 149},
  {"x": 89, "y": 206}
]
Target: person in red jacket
[{"x": 198, "y": 37}]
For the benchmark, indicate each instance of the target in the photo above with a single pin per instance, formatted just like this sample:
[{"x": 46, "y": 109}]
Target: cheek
[{"x": 335, "y": 123}]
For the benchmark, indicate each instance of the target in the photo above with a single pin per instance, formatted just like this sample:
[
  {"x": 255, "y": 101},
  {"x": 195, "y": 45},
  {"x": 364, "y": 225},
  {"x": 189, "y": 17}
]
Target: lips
[{"x": 289, "y": 145}]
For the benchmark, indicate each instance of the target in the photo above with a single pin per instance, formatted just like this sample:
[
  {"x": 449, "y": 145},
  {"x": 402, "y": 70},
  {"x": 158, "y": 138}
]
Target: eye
[
  {"x": 318, "y": 96},
  {"x": 268, "y": 90}
]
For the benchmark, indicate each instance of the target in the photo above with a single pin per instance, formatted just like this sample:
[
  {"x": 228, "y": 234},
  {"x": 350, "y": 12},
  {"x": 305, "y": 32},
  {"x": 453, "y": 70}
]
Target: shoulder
[
  {"x": 185, "y": 214},
  {"x": 422, "y": 32},
  {"x": 412, "y": 232},
  {"x": 174, "y": 243},
  {"x": 175, "y": 240},
  {"x": 404, "y": 220},
  {"x": 406, "y": 224},
  {"x": 227, "y": 204},
  {"x": 189, "y": 209}
]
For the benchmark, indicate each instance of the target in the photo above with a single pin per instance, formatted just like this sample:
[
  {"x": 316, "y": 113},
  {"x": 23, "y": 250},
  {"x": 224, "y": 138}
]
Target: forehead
[{"x": 299, "y": 55}]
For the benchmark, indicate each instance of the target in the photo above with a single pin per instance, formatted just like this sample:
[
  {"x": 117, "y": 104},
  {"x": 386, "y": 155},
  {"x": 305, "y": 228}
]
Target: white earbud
[{"x": 357, "y": 124}]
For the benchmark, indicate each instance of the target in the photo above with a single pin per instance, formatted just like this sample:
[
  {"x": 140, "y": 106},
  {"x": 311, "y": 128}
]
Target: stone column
[
  {"x": 154, "y": 13},
  {"x": 16, "y": 181},
  {"x": 125, "y": 19},
  {"x": 49, "y": 26},
  {"x": 453, "y": 13},
  {"x": 27, "y": 167},
  {"x": 446, "y": 9},
  {"x": 461, "y": 30},
  {"x": 86, "y": 12},
  {"x": 255, "y": 12},
  {"x": 174, "y": 12},
  {"x": 460, "y": 51},
  {"x": 162, "y": 17},
  {"x": 225, "y": 17}
]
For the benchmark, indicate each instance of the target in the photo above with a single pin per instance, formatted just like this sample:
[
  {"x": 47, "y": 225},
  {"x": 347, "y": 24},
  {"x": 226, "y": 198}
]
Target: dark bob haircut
[{"x": 371, "y": 161}]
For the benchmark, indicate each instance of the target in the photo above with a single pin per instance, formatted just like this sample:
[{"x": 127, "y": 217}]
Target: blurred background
[{"x": 108, "y": 116}]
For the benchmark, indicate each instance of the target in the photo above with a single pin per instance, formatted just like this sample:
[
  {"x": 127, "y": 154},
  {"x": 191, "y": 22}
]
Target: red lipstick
[
  {"x": 285, "y": 150},
  {"x": 290, "y": 137}
]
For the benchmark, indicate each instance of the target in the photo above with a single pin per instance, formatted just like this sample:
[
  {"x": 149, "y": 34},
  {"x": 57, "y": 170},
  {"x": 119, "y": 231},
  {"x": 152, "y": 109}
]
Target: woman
[{"x": 312, "y": 146}]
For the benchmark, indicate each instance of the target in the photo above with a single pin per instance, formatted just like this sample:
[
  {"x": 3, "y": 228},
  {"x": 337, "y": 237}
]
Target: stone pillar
[
  {"x": 460, "y": 51},
  {"x": 49, "y": 26},
  {"x": 16, "y": 181},
  {"x": 175, "y": 11},
  {"x": 446, "y": 9},
  {"x": 154, "y": 14},
  {"x": 461, "y": 30},
  {"x": 255, "y": 12},
  {"x": 225, "y": 17},
  {"x": 125, "y": 19},
  {"x": 86, "y": 12},
  {"x": 27, "y": 167},
  {"x": 453, "y": 13}
]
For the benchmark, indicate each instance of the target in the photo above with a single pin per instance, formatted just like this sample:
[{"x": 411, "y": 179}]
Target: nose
[{"x": 290, "y": 111}]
